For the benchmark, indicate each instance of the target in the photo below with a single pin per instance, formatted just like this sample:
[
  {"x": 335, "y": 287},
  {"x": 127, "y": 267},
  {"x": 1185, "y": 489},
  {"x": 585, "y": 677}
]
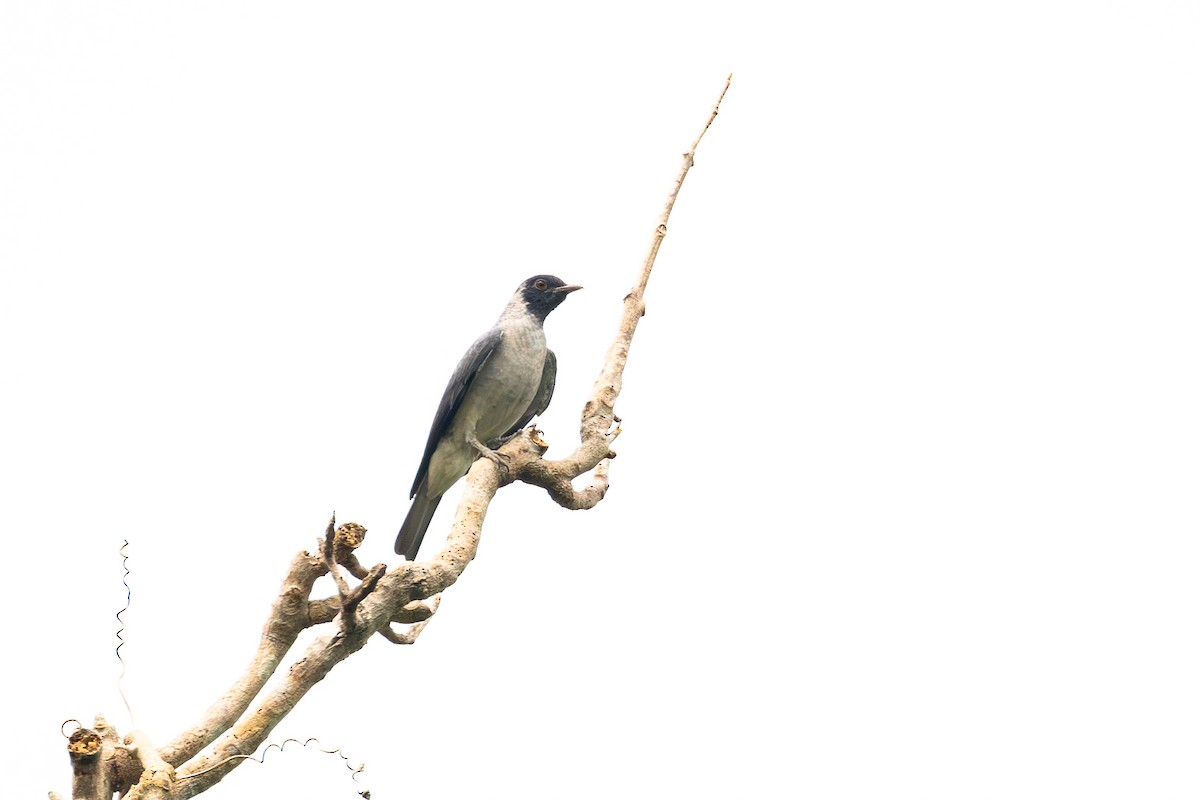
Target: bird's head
[{"x": 544, "y": 293}]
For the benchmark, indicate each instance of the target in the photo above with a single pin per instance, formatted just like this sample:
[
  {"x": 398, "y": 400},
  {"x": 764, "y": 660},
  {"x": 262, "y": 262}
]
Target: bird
[{"x": 503, "y": 381}]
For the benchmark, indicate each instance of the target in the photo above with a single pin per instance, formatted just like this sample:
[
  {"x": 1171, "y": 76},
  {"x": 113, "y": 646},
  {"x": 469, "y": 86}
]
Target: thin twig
[{"x": 596, "y": 431}]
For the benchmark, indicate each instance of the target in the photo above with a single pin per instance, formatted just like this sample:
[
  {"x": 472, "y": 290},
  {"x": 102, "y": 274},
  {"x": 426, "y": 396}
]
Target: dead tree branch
[
  {"x": 408, "y": 594},
  {"x": 596, "y": 431}
]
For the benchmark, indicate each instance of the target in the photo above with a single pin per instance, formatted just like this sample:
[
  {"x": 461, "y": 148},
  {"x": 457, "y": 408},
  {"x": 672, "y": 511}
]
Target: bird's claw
[{"x": 499, "y": 459}]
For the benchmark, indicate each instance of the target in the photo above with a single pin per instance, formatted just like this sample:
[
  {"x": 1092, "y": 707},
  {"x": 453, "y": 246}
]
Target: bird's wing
[
  {"x": 468, "y": 367},
  {"x": 541, "y": 400}
]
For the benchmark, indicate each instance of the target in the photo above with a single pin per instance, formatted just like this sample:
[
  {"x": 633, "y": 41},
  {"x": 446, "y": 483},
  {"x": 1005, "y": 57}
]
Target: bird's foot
[{"x": 499, "y": 459}]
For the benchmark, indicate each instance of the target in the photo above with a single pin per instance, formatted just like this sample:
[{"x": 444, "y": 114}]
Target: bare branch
[
  {"x": 90, "y": 751},
  {"x": 338, "y": 550},
  {"x": 331, "y": 562},
  {"x": 289, "y": 616},
  {"x": 346, "y": 540},
  {"x": 555, "y": 478},
  {"x": 416, "y": 612},
  {"x": 408, "y": 594},
  {"x": 392, "y": 592},
  {"x": 596, "y": 432},
  {"x": 157, "y": 779}
]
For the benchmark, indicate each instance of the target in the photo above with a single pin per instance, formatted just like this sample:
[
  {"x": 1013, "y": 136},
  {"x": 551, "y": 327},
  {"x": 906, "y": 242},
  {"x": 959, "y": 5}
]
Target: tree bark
[{"x": 407, "y": 594}]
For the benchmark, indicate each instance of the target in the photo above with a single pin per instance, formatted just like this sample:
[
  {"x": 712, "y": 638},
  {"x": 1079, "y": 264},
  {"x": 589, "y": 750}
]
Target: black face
[{"x": 544, "y": 293}]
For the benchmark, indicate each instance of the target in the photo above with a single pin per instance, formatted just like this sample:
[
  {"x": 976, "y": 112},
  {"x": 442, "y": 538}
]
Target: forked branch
[{"x": 408, "y": 594}]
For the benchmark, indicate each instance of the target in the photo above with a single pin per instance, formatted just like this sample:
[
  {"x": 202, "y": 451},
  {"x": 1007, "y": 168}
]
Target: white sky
[{"x": 906, "y": 502}]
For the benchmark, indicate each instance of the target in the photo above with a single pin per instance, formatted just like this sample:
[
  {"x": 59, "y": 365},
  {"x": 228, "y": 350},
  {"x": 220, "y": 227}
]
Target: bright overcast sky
[{"x": 905, "y": 502}]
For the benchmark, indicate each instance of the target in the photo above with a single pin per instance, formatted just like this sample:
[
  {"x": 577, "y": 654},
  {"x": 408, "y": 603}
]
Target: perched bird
[{"x": 502, "y": 382}]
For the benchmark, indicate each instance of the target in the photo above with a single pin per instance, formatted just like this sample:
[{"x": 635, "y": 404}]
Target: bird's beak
[{"x": 566, "y": 289}]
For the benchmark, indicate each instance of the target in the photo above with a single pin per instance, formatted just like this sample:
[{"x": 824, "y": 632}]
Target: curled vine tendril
[
  {"x": 121, "y": 628},
  {"x": 365, "y": 794}
]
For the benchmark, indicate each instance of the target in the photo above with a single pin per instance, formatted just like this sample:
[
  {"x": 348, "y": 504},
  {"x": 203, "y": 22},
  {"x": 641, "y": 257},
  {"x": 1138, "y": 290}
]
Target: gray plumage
[{"x": 503, "y": 381}]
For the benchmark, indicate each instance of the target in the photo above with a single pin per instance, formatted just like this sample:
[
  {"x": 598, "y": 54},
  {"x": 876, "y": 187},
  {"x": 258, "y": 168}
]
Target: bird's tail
[{"x": 408, "y": 541}]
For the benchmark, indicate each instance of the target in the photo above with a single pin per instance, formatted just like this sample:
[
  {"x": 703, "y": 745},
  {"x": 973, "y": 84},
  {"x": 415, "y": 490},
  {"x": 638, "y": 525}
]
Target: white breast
[{"x": 508, "y": 381}]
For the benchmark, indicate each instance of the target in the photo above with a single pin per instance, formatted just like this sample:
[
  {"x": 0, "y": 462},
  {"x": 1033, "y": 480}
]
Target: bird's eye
[{"x": 540, "y": 285}]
